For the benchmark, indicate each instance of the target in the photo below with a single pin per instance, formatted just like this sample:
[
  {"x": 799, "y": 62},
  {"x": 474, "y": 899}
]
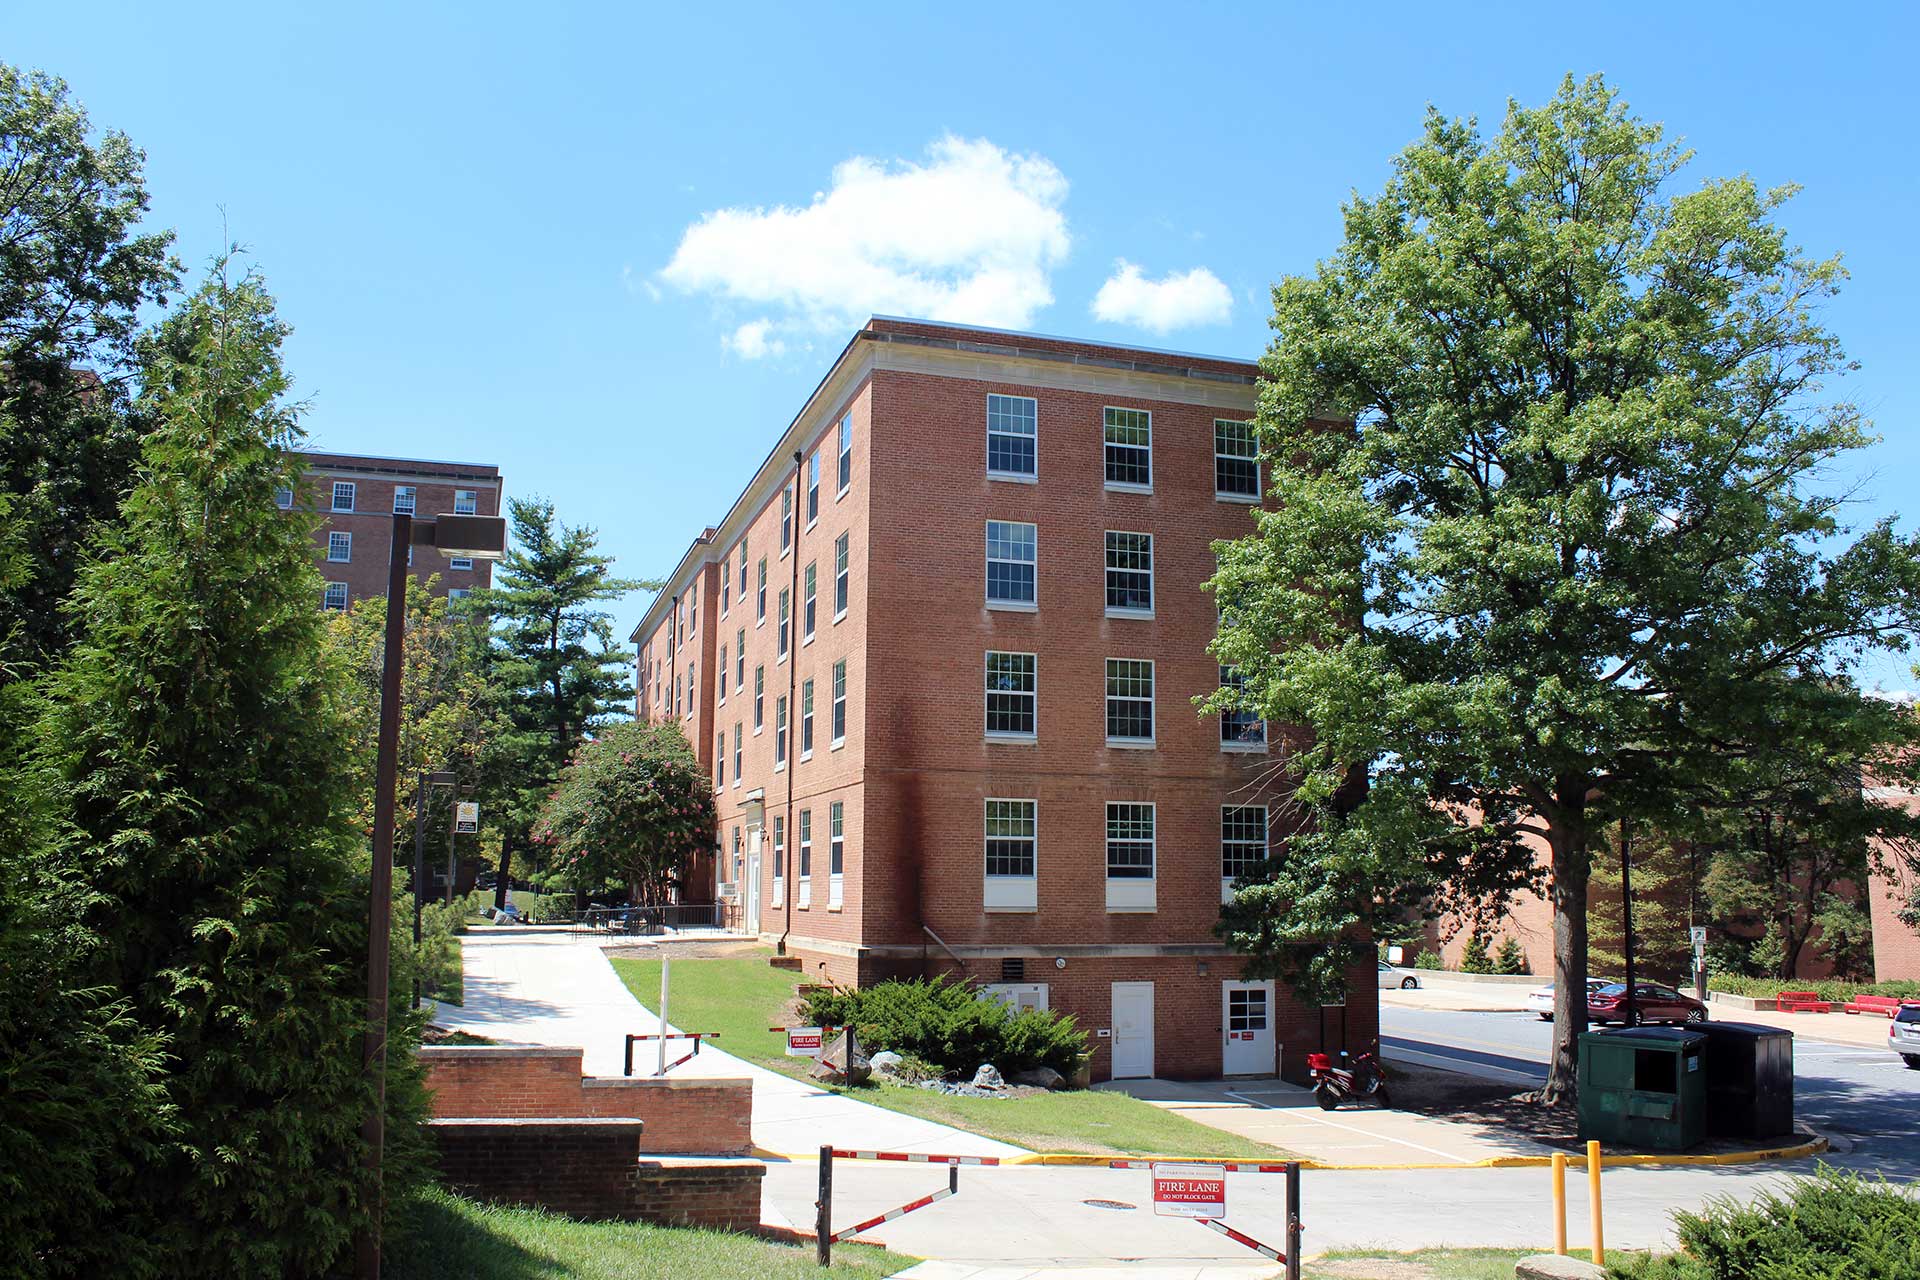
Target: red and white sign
[
  {"x": 1189, "y": 1191},
  {"x": 804, "y": 1042}
]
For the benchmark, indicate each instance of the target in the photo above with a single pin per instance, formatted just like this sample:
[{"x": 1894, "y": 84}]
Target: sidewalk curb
[{"x": 1799, "y": 1151}]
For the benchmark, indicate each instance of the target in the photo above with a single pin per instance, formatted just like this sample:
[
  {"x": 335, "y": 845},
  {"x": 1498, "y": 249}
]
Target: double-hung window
[
  {"x": 813, "y": 489},
  {"x": 806, "y": 719},
  {"x": 779, "y": 858},
  {"x": 780, "y": 732},
  {"x": 740, "y": 657},
  {"x": 283, "y": 498},
  {"x": 335, "y": 597},
  {"x": 760, "y": 595},
  {"x": 1243, "y": 844},
  {"x": 1129, "y": 448},
  {"x": 690, "y": 669},
  {"x": 343, "y": 491},
  {"x": 786, "y": 521},
  {"x": 1236, "y": 461},
  {"x": 1012, "y": 437},
  {"x": 1012, "y": 839},
  {"x": 1129, "y": 575},
  {"x": 805, "y": 896},
  {"x": 759, "y": 697},
  {"x": 808, "y": 581},
  {"x": 836, "y": 852},
  {"x": 846, "y": 452},
  {"x": 1012, "y": 552},
  {"x": 454, "y": 562},
  {"x": 1012, "y": 696},
  {"x": 1241, "y": 728},
  {"x": 1129, "y": 702},
  {"x": 736, "y": 753},
  {"x": 726, "y": 586},
  {"x": 339, "y": 547},
  {"x": 466, "y": 502},
  {"x": 839, "y": 734},
  {"x": 720, "y": 760},
  {"x": 403, "y": 499},
  {"x": 786, "y": 616},
  {"x": 722, "y": 695},
  {"x": 1130, "y": 848},
  {"x": 840, "y": 577}
]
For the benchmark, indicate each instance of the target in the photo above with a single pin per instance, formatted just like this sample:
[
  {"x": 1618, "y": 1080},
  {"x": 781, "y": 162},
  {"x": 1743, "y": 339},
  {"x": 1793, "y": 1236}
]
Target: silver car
[
  {"x": 1540, "y": 999},
  {"x": 1393, "y": 976},
  {"x": 1903, "y": 1034}
]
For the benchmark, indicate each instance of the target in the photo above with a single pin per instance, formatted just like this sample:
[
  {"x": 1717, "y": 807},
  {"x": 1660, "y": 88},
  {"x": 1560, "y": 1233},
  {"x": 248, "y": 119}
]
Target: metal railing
[{"x": 648, "y": 922}]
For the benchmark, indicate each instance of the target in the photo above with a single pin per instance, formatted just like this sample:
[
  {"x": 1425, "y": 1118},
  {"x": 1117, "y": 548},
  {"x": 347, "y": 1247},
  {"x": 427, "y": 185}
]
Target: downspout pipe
[{"x": 792, "y": 628}]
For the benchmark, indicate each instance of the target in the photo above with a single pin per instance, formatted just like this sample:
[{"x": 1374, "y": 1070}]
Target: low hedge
[
  {"x": 954, "y": 1026},
  {"x": 1827, "y": 988}
]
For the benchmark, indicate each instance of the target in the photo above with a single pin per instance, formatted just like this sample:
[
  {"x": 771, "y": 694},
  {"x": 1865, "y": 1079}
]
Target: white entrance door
[
  {"x": 1132, "y": 1030},
  {"x": 1246, "y": 1013},
  {"x": 753, "y": 880}
]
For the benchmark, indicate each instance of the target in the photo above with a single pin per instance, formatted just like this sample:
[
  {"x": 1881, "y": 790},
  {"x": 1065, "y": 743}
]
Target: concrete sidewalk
[
  {"x": 1458, "y": 999},
  {"x": 553, "y": 989},
  {"x": 1286, "y": 1116}
]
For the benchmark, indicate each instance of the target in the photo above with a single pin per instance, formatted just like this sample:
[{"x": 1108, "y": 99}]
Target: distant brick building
[
  {"x": 942, "y": 669},
  {"x": 357, "y": 497}
]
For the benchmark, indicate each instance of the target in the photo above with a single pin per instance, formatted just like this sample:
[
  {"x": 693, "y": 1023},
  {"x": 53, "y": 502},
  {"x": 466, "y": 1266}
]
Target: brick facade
[
  {"x": 369, "y": 524},
  {"x": 915, "y": 767},
  {"x": 682, "y": 1117},
  {"x": 1896, "y": 945}
]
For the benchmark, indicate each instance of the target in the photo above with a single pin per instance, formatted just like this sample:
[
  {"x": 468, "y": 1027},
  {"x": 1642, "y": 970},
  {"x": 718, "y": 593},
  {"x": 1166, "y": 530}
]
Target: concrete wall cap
[{"x": 496, "y": 1051}]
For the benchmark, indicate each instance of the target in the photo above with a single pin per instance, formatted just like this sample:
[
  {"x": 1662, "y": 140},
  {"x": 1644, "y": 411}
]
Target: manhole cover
[{"x": 1109, "y": 1204}]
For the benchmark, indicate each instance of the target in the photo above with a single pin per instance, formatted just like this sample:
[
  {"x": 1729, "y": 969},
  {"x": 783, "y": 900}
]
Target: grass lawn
[
  {"x": 1436, "y": 1264},
  {"x": 453, "y": 1239},
  {"x": 740, "y": 997}
]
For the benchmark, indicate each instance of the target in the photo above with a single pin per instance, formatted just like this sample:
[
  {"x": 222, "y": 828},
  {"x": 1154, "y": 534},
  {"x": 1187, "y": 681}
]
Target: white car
[
  {"x": 1903, "y": 1034},
  {"x": 1540, "y": 999},
  {"x": 1392, "y": 976}
]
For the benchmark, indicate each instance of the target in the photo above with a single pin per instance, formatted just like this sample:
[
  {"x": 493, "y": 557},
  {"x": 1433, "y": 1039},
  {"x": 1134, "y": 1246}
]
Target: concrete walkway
[
  {"x": 1459, "y": 998},
  {"x": 530, "y": 987},
  {"x": 1286, "y": 1116}
]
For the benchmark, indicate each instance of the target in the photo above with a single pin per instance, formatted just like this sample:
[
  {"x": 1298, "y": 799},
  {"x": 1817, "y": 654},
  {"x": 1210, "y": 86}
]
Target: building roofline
[
  {"x": 1072, "y": 342},
  {"x": 405, "y": 462}
]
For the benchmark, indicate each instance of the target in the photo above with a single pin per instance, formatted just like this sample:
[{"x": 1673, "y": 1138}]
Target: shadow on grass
[{"x": 436, "y": 1240}]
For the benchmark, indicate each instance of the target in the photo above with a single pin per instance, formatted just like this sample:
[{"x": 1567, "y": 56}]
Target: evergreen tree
[
  {"x": 1510, "y": 958},
  {"x": 1474, "y": 957},
  {"x": 198, "y": 734},
  {"x": 1662, "y": 950}
]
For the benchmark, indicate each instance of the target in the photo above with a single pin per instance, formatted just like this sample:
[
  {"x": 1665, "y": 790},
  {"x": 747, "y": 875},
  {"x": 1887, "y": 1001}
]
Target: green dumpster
[{"x": 1643, "y": 1087}]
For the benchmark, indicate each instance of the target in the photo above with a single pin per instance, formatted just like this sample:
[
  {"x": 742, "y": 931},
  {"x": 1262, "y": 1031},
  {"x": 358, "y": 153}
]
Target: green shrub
[
  {"x": 953, "y": 1026},
  {"x": 1828, "y": 988},
  {"x": 1510, "y": 959},
  {"x": 1475, "y": 958},
  {"x": 1426, "y": 960},
  {"x": 440, "y": 950},
  {"x": 1832, "y": 1226}
]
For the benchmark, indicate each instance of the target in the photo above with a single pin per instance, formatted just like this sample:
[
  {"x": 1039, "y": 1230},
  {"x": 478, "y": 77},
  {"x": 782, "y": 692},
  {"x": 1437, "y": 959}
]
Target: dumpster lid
[
  {"x": 1743, "y": 1031},
  {"x": 1665, "y": 1037}
]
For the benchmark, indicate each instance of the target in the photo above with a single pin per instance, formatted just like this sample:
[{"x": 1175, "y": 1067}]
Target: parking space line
[{"x": 1375, "y": 1137}]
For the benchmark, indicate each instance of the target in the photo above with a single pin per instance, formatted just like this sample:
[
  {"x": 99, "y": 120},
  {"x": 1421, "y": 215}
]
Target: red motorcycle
[{"x": 1365, "y": 1079}]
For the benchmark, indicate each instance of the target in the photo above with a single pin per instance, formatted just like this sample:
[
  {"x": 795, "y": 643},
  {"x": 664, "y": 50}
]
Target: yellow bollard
[
  {"x": 1593, "y": 1201},
  {"x": 1560, "y": 1203}
]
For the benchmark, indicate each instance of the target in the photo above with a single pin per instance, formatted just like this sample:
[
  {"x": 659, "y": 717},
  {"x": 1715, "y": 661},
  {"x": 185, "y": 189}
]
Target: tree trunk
[
  {"x": 505, "y": 875},
  {"x": 1572, "y": 869}
]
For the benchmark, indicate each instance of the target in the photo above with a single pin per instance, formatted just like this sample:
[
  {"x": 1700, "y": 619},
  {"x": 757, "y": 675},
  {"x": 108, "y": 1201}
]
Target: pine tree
[
  {"x": 1511, "y": 958},
  {"x": 1473, "y": 958},
  {"x": 1661, "y": 948},
  {"x": 197, "y": 729}
]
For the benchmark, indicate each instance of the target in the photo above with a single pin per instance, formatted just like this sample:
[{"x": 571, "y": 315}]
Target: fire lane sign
[
  {"x": 1189, "y": 1191},
  {"x": 804, "y": 1042}
]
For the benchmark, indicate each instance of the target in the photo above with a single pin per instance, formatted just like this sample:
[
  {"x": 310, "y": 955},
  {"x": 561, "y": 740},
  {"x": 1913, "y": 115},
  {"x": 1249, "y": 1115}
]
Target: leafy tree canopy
[{"x": 633, "y": 809}]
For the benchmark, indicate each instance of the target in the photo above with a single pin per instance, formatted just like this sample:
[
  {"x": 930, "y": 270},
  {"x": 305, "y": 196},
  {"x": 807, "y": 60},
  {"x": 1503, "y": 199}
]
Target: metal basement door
[
  {"x": 1246, "y": 1013},
  {"x": 1132, "y": 1030}
]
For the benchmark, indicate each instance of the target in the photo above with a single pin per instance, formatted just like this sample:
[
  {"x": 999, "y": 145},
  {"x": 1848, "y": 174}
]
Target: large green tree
[
  {"x": 633, "y": 809},
  {"x": 74, "y": 272},
  {"x": 197, "y": 733},
  {"x": 1543, "y": 435}
]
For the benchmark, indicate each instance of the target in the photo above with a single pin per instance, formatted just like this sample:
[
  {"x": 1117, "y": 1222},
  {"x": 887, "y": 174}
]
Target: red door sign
[{"x": 1189, "y": 1191}]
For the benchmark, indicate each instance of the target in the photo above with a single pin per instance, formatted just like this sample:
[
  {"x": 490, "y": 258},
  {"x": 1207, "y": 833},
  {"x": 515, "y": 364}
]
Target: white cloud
[
  {"x": 971, "y": 234},
  {"x": 753, "y": 340},
  {"x": 1173, "y": 302}
]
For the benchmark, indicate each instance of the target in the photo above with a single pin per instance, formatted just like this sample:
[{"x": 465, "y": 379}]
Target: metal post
[
  {"x": 1593, "y": 1203},
  {"x": 380, "y": 906},
  {"x": 1560, "y": 1203},
  {"x": 628, "y": 1069},
  {"x": 665, "y": 965},
  {"x": 823, "y": 1210},
  {"x": 1626, "y": 922},
  {"x": 1293, "y": 1220},
  {"x": 419, "y": 874}
]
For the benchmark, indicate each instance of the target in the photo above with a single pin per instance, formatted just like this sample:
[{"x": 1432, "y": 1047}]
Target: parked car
[
  {"x": 1903, "y": 1034},
  {"x": 1540, "y": 999},
  {"x": 1392, "y": 976},
  {"x": 1652, "y": 1003}
]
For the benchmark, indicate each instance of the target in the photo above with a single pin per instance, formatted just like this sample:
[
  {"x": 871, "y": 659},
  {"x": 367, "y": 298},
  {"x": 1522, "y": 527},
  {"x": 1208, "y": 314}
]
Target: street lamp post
[
  {"x": 438, "y": 778},
  {"x": 481, "y": 538}
]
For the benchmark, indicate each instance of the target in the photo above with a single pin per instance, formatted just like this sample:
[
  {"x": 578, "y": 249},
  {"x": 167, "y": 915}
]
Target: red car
[{"x": 1652, "y": 1003}]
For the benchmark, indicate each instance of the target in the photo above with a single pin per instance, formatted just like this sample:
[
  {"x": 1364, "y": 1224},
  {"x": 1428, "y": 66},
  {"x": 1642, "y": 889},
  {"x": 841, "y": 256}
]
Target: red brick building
[
  {"x": 940, "y": 657},
  {"x": 357, "y": 497}
]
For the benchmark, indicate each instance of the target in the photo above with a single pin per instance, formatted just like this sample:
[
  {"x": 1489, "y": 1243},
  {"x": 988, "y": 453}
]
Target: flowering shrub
[{"x": 632, "y": 808}]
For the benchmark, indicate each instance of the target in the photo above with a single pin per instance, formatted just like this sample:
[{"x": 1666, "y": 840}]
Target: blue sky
[{"x": 477, "y": 217}]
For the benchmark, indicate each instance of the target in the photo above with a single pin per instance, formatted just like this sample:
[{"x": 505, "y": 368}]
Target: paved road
[{"x": 1865, "y": 1099}]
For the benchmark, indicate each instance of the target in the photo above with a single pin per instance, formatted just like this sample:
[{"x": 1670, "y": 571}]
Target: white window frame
[
  {"x": 760, "y": 596},
  {"x": 836, "y": 854},
  {"x": 1119, "y": 611},
  {"x": 466, "y": 502},
  {"x": 326, "y": 597},
  {"x": 842, "y": 575},
  {"x": 740, "y": 658},
  {"x": 759, "y": 698},
  {"x": 1244, "y": 746},
  {"x": 1228, "y": 495},
  {"x": 458, "y": 593},
  {"x": 352, "y": 492},
  {"x": 412, "y": 495},
  {"x": 843, "y": 460},
  {"x": 1153, "y": 718},
  {"x": 813, "y": 490},
  {"x": 782, "y": 642},
  {"x": 786, "y": 521},
  {"x": 1018, "y": 477},
  {"x": 726, "y": 584},
  {"x": 781, "y": 724},
  {"x": 1010, "y": 893},
  {"x": 806, "y": 718},
  {"x": 837, "y": 724},
  {"x": 1125, "y": 486},
  {"x": 720, "y": 761},
  {"x": 738, "y": 757},
  {"x": 1132, "y": 894},
  {"x": 803, "y": 869},
  {"x": 342, "y": 540},
  {"x": 720, "y": 697},
  {"x": 1266, "y": 843},
  {"x": 779, "y": 859},
  {"x": 986, "y": 584},
  {"x": 283, "y": 498},
  {"x": 988, "y": 692},
  {"x": 460, "y": 562},
  {"x": 809, "y": 601}
]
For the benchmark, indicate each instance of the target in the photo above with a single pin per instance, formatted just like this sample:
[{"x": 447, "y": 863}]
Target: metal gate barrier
[{"x": 825, "y": 1235}]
